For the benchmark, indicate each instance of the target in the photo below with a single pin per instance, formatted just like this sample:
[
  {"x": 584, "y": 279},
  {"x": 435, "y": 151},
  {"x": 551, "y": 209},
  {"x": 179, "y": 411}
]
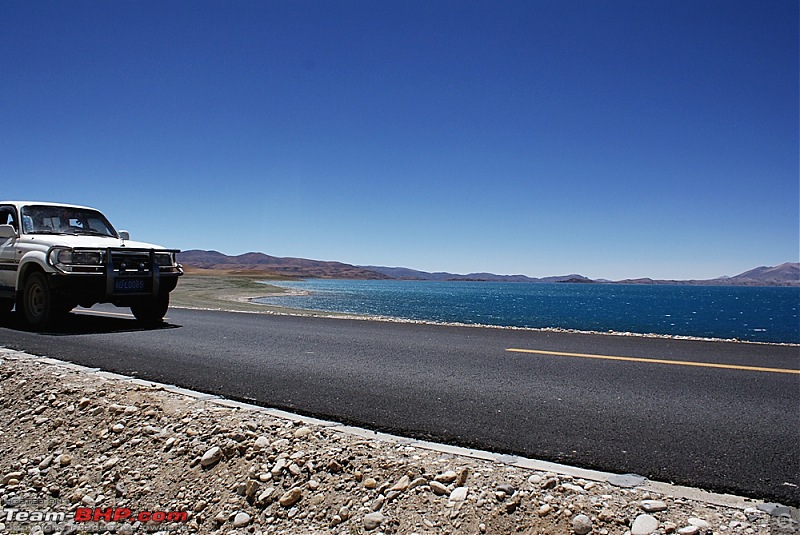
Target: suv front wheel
[
  {"x": 37, "y": 301},
  {"x": 152, "y": 310}
]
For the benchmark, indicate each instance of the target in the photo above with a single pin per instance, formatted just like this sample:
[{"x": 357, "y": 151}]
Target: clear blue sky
[{"x": 619, "y": 138}]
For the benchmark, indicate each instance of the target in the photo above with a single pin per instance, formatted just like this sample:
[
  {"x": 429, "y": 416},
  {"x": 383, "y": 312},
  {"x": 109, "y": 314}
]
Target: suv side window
[{"x": 8, "y": 216}]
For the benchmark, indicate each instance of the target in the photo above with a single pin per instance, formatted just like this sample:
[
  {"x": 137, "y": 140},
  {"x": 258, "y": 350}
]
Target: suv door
[{"x": 8, "y": 256}]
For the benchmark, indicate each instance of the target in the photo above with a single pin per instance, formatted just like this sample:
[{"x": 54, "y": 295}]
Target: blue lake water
[{"x": 763, "y": 314}]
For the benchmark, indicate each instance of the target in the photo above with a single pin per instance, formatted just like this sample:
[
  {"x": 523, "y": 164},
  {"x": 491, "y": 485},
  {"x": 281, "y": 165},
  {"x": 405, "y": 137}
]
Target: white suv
[{"x": 54, "y": 257}]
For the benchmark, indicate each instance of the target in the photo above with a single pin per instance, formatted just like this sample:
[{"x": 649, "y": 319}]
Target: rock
[
  {"x": 626, "y": 481},
  {"x": 459, "y": 494},
  {"x": 438, "y": 488},
  {"x": 689, "y": 530},
  {"x": 291, "y": 497},
  {"x": 507, "y": 489},
  {"x": 700, "y": 523},
  {"x": 302, "y": 432},
  {"x": 544, "y": 510},
  {"x": 581, "y": 524},
  {"x": 266, "y": 497},
  {"x": 334, "y": 466},
  {"x": 652, "y": 506},
  {"x": 241, "y": 520},
  {"x": 417, "y": 483},
  {"x": 370, "y": 483},
  {"x": 550, "y": 483},
  {"x": 118, "y": 428},
  {"x": 211, "y": 457},
  {"x": 221, "y": 518},
  {"x": 261, "y": 443},
  {"x": 13, "y": 476},
  {"x": 462, "y": 476},
  {"x": 373, "y": 520},
  {"x": 569, "y": 487},
  {"x": 447, "y": 477},
  {"x": 251, "y": 488},
  {"x": 644, "y": 525},
  {"x": 401, "y": 485},
  {"x": 280, "y": 464},
  {"x": 64, "y": 459}
]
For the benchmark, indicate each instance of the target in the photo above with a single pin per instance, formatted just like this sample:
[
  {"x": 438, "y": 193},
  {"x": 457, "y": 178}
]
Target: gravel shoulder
[{"x": 71, "y": 440}]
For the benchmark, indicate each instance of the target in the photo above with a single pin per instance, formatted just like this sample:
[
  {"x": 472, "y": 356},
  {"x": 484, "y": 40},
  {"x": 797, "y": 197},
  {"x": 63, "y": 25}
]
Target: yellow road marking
[{"x": 656, "y": 361}]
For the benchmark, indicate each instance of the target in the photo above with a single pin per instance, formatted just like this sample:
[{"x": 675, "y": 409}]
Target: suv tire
[
  {"x": 38, "y": 305},
  {"x": 151, "y": 311}
]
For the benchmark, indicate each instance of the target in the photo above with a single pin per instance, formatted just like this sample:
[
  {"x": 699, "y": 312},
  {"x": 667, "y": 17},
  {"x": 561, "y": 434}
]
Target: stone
[
  {"x": 507, "y": 489},
  {"x": 459, "y": 494},
  {"x": 241, "y": 519},
  {"x": 581, "y": 524},
  {"x": 652, "y": 506},
  {"x": 373, "y": 520},
  {"x": 417, "y": 483},
  {"x": 447, "y": 477},
  {"x": 291, "y": 497},
  {"x": 211, "y": 457},
  {"x": 16, "y": 476},
  {"x": 334, "y": 466},
  {"x": 401, "y": 485},
  {"x": 700, "y": 523},
  {"x": 261, "y": 443},
  {"x": 626, "y": 481},
  {"x": 462, "y": 476},
  {"x": 302, "y": 432},
  {"x": 544, "y": 510},
  {"x": 644, "y": 525},
  {"x": 438, "y": 488},
  {"x": 370, "y": 483},
  {"x": 689, "y": 530}
]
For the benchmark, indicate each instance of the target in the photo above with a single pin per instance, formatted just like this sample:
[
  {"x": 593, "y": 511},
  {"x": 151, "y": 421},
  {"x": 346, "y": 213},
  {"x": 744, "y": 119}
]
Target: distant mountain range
[
  {"x": 413, "y": 274},
  {"x": 787, "y": 274},
  {"x": 287, "y": 267}
]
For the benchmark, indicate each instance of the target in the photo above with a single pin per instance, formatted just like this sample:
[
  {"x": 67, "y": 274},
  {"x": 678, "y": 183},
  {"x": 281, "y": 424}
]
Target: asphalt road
[{"x": 727, "y": 429}]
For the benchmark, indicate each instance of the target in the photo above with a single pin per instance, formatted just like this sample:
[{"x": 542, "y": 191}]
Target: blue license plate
[{"x": 129, "y": 285}]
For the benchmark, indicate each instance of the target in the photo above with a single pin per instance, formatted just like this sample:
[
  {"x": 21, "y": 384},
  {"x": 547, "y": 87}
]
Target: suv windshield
[{"x": 65, "y": 220}]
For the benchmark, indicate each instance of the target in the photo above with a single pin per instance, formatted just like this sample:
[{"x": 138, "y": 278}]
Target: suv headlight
[
  {"x": 165, "y": 259},
  {"x": 70, "y": 260}
]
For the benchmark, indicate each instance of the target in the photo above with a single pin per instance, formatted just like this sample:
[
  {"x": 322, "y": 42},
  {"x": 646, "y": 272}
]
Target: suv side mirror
[
  {"x": 124, "y": 235},
  {"x": 7, "y": 231}
]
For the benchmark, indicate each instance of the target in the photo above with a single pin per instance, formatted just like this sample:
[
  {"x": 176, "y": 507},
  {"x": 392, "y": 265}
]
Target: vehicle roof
[{"x": 19, "y": 204}]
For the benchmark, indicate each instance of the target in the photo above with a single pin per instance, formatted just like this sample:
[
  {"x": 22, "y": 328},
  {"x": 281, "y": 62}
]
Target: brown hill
[
  {"x": 289, "y": 267},
  {"x": 785, "y": 273}
]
